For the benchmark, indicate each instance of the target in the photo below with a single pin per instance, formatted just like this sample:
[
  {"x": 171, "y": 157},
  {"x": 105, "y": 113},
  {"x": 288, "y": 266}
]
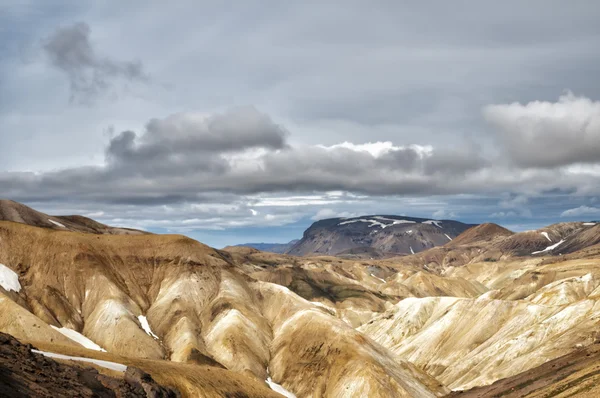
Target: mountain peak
[
  {"x": 481, "y": 233},
  {"x": 387, "y": 234}
]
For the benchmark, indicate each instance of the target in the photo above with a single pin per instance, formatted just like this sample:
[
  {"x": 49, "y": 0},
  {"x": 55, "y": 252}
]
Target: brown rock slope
[
  {"x": 535, "y": 310},
  {"x": 490, "y": 243},
  {"x": 24, "y": 373},
  {"x": 487, "y": 305},
  {"x": 19, "y": 213},
  {"x": 573, "y": 375},
  {"x": 200, "y": 307}
]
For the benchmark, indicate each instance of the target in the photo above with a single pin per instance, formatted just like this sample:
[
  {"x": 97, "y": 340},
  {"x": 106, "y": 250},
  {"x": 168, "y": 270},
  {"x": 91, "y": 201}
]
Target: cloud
[
  {"x": 444, "y": 214},
  {"x": 504, "y": 214},
  {"x": 186, "y": 156},
  {"x": 516, "y": 204},
  {"x": 331, "y": 213},
  {"x": 548, "y": 134},
  {"x": 581, "y": 211},
  {"x": 186, "y": 144},
  {"x": 71, "y": 51}
]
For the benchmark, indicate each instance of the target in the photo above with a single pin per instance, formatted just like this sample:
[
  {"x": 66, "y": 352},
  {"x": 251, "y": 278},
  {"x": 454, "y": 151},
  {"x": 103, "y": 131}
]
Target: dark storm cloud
[
  {"x": 242, "y": 151},
  {"x": 237, "y": 129},
  {"x": 70, "y": 50},
  {"x": 189, "y": 143}
]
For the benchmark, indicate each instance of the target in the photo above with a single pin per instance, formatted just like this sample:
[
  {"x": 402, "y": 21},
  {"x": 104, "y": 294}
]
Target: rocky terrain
[
  {"x": 376, "y": 236},
  {"x": 19, "y": 213},
  {"x": 573, "y": 375},
  {"x": 484, "y": 313},
  {"x": 27, "y": 373}
]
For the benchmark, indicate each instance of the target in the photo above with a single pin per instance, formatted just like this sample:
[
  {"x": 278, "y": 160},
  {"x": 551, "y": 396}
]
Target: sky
[{"x": 235, "y": 122}]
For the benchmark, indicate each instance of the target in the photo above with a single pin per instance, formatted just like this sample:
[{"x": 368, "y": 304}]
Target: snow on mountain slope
[
  {"x": 9, "y": 280},
  {"x": 105, "y": 364},
  {"x": 79, "y": 338},
  {"x": 388, "y": 234}
]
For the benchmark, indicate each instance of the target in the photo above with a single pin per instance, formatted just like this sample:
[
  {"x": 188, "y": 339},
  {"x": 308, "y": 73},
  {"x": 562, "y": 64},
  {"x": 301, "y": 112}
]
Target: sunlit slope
[{"x": 203, "y": 309}]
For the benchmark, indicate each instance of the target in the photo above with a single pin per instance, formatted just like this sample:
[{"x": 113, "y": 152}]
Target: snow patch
[
  {"x": 547, "y": 237},
  {"x": 57, "y": 223},
  {"x": 589, "y": 223},
  {"x": 411, "y": 250},
  {"x": 433, "y": 222},
  {"x": 586, "y": 278},
  {"x": 146, "y": 326},
  {"x": 105, "y": 364},
  {"x": 448, "y": 237},
  {"x": 375, "y": 223},
  {"x": 372, "y": 222},
  {"x": 383, "y": 280},
  {"x": 78, "y": 338},
  {"x": 394, "y": 222},
  {"x": 278, "y": 388},
  {"x": 550, "y": 247},
  {"x": 9, "y": 280}
]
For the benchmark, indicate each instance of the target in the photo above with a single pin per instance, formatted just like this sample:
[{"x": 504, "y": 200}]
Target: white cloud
[
  {"x": 331, "y": 213},
  {"x": 581, "y": 211},
  {"x": 94, "y": 214},
  {"x": 549, "y": 134},
  {"x": 443, "y": 213},
  {"x": 377, "y": 149},
  {"x": 294, "y": 201},
  {"x": 503, "y": 214}
]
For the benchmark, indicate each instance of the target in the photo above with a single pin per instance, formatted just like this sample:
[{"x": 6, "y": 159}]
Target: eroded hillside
[
  {"x": 488, "y": 305},
  {"x": 200, "y": 308}
]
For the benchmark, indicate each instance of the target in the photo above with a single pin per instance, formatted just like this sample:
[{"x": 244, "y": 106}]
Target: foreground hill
[
  {"x": 26, "y": 372},
  {"x": 169, "y": 298},
  {"x": 376, "y": 235}
]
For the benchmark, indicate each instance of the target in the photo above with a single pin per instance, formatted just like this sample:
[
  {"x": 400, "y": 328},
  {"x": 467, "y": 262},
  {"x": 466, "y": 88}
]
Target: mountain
[
  {"x": 486, "y": 313},
  {"x": 271, "y": 247},
  {"x": 19, "y": 213},
  {"x": 165, "y": 303},
  {"x": 387, "y": 235}
]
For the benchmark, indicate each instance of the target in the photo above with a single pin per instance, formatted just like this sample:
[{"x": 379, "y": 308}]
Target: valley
[{"x": 486, "y": 310}]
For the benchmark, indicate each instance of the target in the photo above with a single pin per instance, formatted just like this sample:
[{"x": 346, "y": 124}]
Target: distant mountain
[
  {"x": 271, "y": 247},
  {"x": 387, "y": 235}
]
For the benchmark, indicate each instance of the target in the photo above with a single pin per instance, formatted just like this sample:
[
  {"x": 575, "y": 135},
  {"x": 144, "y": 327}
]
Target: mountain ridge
[
  {"x": 19, "y": 213},
  {"x": 487, "y": 305},
  {"x": 387, "y": 234},
  {"x": 270, "y": 247}
]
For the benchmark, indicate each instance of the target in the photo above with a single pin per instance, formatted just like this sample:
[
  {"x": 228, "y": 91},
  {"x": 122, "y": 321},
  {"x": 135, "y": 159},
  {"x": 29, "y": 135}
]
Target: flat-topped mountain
[{"x": 376, "y": 235}]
